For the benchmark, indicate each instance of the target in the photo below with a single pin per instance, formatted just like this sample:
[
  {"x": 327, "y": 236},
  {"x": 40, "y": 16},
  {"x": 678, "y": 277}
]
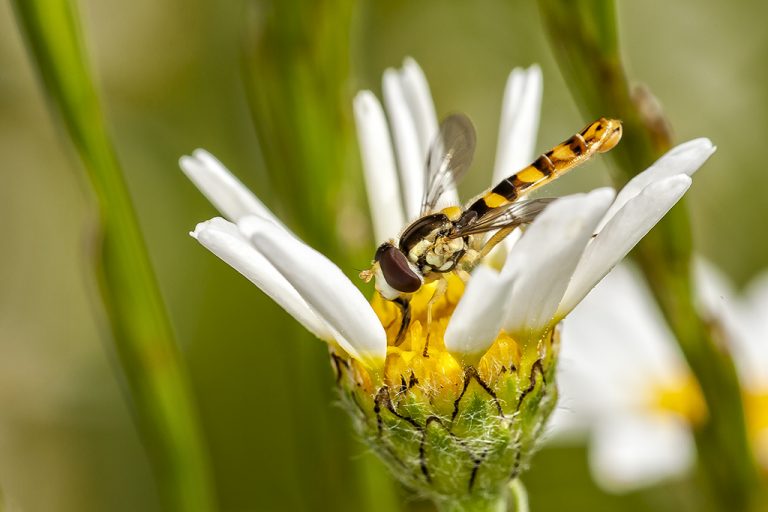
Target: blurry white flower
[{"x": 624, "y": 383}]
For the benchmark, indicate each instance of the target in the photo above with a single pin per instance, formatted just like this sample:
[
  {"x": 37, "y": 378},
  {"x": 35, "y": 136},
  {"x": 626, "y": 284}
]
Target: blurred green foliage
[
  {"x": 150, "y": 362},
  {"x": 170, "y": 75},
  {"x": 585, "y": 40}
]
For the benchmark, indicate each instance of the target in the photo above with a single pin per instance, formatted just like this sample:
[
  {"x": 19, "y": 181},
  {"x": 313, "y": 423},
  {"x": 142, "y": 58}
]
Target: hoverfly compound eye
[{"x": 396, "y": 270}]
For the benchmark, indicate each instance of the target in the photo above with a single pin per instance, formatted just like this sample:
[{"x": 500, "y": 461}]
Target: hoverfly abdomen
[
  {"x": 597, "y": 137},
  {"x": 577, "y": 144},
  {"x": 603, "y": 134}
]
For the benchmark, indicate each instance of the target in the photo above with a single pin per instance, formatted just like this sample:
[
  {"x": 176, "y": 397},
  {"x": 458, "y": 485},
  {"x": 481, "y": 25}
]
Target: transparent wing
[
  {"x": 449, "y": 158},
  {"x": 508, "y": 216}
]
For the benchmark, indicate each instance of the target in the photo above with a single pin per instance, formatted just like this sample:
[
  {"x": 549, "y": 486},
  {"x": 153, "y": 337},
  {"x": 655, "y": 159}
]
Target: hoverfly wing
[
  {"x": 511, "y": 215},
  {"x": 449, "y": 158}
]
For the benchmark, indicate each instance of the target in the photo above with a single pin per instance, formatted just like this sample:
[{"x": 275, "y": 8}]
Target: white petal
[
  {"x": 745, "y": 320},
  {"x": 379, "y": 167},
  {"x": 419, "y": 98},
  {"x": 519, "y": 122},
  {"x": 628, "y": 452},
  {"x": 518, "y": 128},
  {"x": 685, "y": 158},
  {"x": 626, "y": 227},
  {"x": 222, "y": 188},
  {"x": 410, "y": 160},
  {"x": 717, "y": 298},
  {"x": 714, "y": 292},
  {"x": 224, "y": 240},
  {"x": 753, "y": 323},
  {"x": 324, "y": 287},
  {"x": 545, "y": 257},
  {"x": 756, "y": 296},
  {"x": 477, "y": 319}
]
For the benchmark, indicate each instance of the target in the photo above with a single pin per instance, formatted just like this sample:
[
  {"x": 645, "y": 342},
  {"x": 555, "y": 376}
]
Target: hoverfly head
[{"x": 393, "y": 272}]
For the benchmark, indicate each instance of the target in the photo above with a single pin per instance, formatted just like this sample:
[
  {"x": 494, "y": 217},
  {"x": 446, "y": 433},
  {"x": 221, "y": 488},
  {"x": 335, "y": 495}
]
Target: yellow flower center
[
  {"x": 756, "y": 405},
  {"x": 421, "y": 357},
  {"x": 684, "y": 399}
]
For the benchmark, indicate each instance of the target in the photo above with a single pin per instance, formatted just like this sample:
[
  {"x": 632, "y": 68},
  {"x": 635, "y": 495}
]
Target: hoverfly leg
[
  {"x": 442, "y": 286},
  {"x": 463, "y": 274},
  {"x": 494, "y": 241},
  {"x": 405, "y": 310}
]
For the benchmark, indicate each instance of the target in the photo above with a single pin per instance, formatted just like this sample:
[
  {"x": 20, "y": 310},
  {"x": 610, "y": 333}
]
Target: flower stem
[
  {"x": 519, "y": 495},
  {"x": 147, "y": 353},
  {"x": 585, "y": 41},
  {"x": 296, "y": 58},
  {"x": 475, "y": 504},
  {"x": 297, "y": 65}
]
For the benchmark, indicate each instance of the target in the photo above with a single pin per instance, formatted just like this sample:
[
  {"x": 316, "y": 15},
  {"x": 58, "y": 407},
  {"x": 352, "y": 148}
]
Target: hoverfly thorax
[{"x": 431, "y": 243}]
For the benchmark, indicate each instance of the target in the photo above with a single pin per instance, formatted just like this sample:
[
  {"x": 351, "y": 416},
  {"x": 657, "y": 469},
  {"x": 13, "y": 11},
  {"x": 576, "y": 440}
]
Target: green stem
[
  {"x": 585, "y": 40},
  {"x": 519, "y": 495},
  {"x": 475, "y": 504},
  {"x": 158, "y": 386},
  {"x": 297, "y": 71},
  {"x": 297, "y": 66}
]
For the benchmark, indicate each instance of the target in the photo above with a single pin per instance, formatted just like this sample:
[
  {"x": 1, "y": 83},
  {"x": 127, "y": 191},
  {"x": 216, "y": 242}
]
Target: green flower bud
[{"x": 455, "y": 431}]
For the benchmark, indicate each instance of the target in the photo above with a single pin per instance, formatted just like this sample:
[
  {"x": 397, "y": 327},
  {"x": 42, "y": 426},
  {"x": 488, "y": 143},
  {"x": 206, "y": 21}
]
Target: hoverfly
[{"x": 454, "y": 239}]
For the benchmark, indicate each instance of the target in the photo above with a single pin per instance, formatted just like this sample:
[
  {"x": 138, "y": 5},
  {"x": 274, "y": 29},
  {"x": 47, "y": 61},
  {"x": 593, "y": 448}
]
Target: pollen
[{"x": 421, "y": 359}]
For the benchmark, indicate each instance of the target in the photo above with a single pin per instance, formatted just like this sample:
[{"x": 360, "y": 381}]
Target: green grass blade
[{"x": 148, "y": 355}]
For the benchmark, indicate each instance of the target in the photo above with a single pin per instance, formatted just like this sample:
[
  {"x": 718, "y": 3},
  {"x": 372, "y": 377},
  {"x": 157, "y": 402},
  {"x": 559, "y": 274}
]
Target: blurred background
[{"x": 170, "y": 75}]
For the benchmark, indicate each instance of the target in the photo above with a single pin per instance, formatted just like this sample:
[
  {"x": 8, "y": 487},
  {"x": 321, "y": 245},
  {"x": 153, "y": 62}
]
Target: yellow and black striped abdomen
[{"x": 598, "y": 137}]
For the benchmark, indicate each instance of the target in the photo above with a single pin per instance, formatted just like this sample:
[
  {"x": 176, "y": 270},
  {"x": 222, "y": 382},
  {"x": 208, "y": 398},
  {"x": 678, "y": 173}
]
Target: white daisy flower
[
  {"x": 498, "y": 329},
  {"x": 256, "y": 244},
  {"x": 626, "y": 386}
]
